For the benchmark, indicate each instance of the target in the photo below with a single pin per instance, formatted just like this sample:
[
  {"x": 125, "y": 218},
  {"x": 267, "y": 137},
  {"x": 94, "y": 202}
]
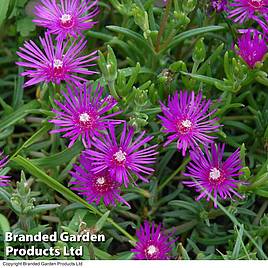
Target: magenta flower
[
  {"x": 122, "y": 159},
  {"x": 252, "y": 47},
  {"x": 4, "y": 180},
  {"x": 212, "y": 175},
  {"x": 95, "y": 187},
  {"x": 219, "y": 5},
  {"x": 84, "y": 114},
  {"x": 69, "y": 17},
  {"x": 152, "y": 243},
  {"x": 55, "y": 64},
  {"x": 186, "y": 117},
  {"x": 241, "y": 10}
]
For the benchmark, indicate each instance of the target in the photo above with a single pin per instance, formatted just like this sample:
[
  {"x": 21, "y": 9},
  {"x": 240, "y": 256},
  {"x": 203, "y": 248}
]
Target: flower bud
[
  {"x": 188, "y": 5},
  {"x": 111, "y": 64},
  {"x": 16, "y": 204},
  {"x": 141, "y": 97},
  {"x": 240, "y": 70},
  {"x": 109, "y": 67},
  {"x": 138, "y": 121},
  {"x": 121, "y": 84},
  {"x": 153, "y": 94},
  {"x": 178, "y": 66},
  {"x": 141, "y": 18},
  {"x": 199, "y": 53},
  {"x": 182, "y": 19}
]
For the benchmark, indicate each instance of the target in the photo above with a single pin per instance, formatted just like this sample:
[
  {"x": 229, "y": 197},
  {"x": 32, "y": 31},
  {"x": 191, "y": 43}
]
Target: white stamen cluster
[
  {"x": 65, "y": 18},
  {"x": 84, "y": 117},
  {"x": 186, "y": 123},
  {"x": 100, "y": 180},
  {"x": 214, "y": 174},
  {"x": 151, "y": 250},
  {"x": 57, "y": 63},
  {"x": 120, "y": 156}
]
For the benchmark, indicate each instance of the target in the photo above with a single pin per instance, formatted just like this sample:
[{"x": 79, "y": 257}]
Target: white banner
[{"x": 135, "y": 264}]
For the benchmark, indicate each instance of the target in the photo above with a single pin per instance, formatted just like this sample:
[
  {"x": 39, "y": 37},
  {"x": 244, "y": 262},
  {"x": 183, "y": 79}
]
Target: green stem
[
  {"x": 176, "y": 5},
  {"x": 91, "y": 251},
  {"x": 239, "y": 117},
  {"x": 260, "y": 212},
  {"x": 140, "y": 191},
  {"x": 167, "y": 42},
  {"x": 195, "y": 67},
  {"x": 180, "y": 168},
  {"x": 125, "y": 233},
  {"x": 163, "y": 25},
  {"x": 32, "y": 139}
]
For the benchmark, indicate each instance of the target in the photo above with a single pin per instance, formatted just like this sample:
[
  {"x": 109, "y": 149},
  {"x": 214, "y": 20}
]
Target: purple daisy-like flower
[
  {"x": 95, "y": 187},
  {"x": 187, "y": 117},
  {"x": 69, "y": 17},
  {"x": 55, "y": 64},
  {"x": 214, "y": 176},
  {"x": 84, "y": 114},
  {"x": 152, "y": 243},
  {"x": 122, "y": 159},
  {"x": 4, "y": 180},
  {"x": 241, "y": 10},
  {"x": 252, "y": 47},
  {"x": 219, "y": 5}
]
